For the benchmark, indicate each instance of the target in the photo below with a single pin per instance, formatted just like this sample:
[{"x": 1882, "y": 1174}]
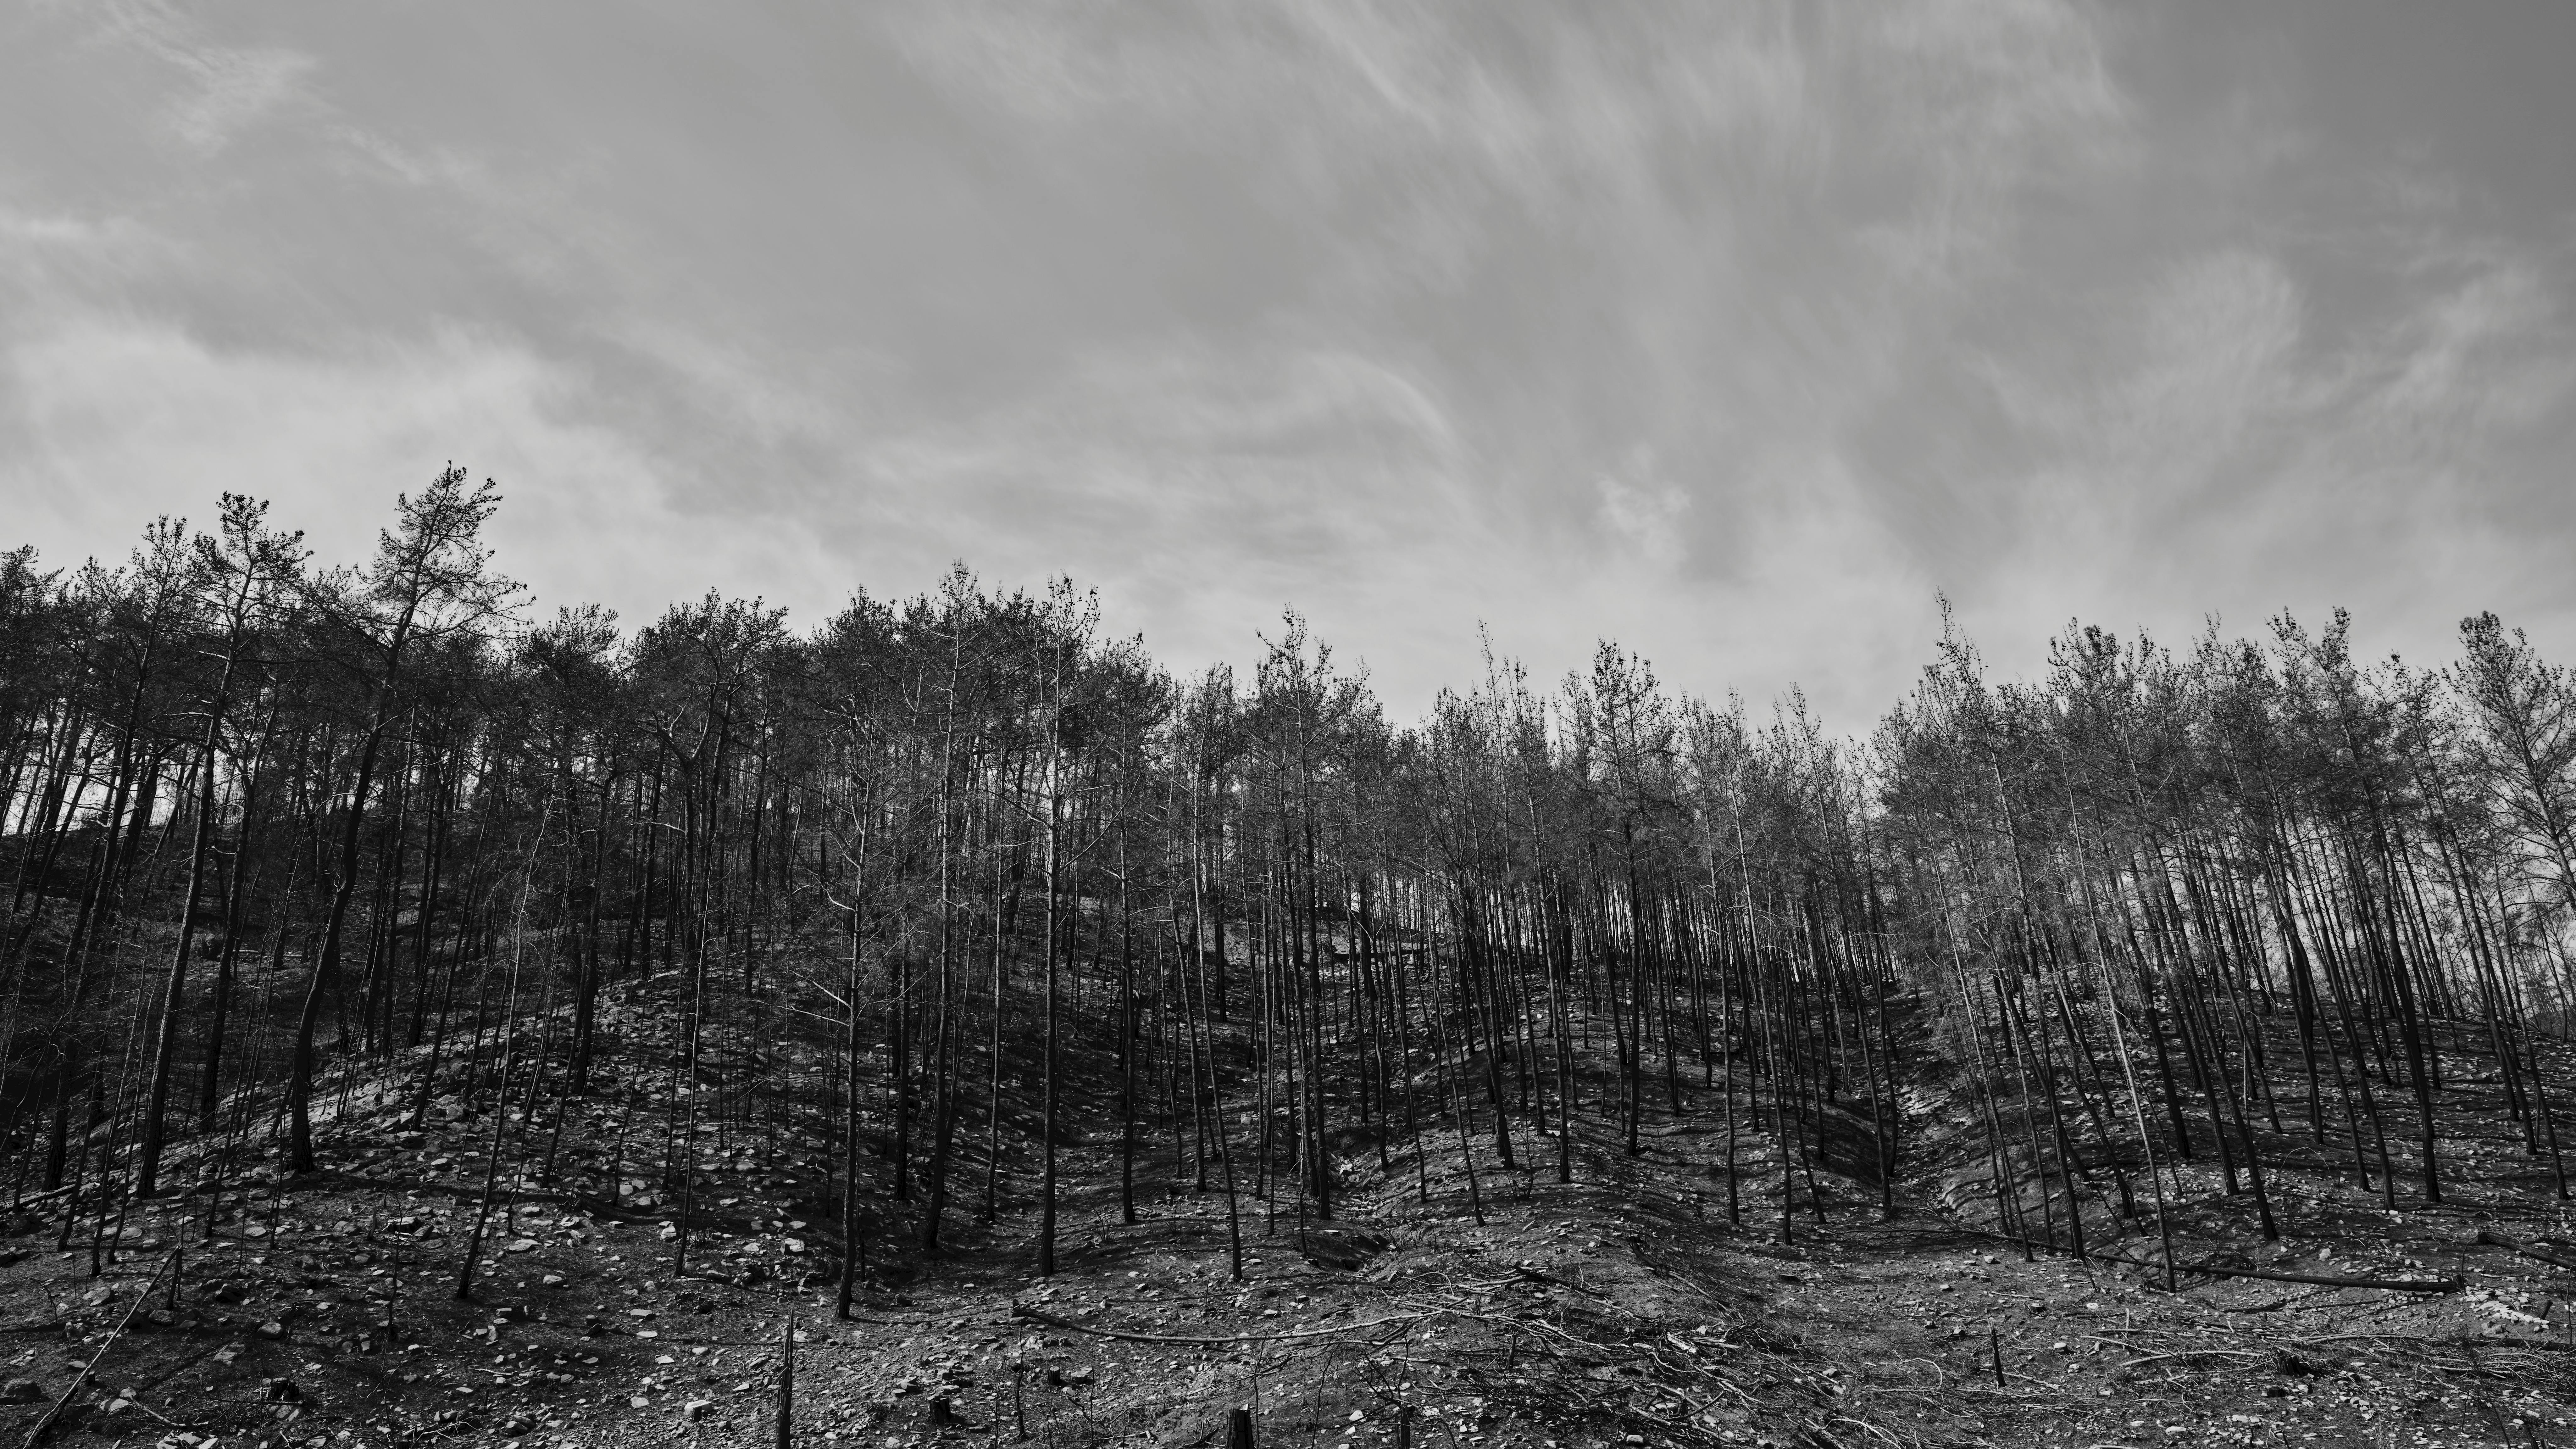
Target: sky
[{"x": 1741, "y": 334}]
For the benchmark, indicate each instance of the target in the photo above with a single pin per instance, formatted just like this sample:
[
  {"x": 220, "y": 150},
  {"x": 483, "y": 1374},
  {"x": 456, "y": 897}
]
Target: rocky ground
[{"x": 1621, "y": 1308}]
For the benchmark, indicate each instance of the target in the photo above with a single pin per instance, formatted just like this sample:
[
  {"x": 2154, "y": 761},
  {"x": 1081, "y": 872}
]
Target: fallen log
[
  {"x": 2494, "y": 1239},
  {"x": 2321, "y": 1280}
]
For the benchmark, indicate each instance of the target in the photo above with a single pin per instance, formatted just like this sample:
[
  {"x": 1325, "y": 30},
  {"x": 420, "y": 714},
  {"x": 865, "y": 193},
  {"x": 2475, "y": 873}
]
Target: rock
[
  {"x": 22, "y": 1391},
  {"x": 281, "y": 1391},
  {"x": 697, "y": 1408},
  {"x": 552, "y": 1280},
  {"x": 272, "y": 1329}
]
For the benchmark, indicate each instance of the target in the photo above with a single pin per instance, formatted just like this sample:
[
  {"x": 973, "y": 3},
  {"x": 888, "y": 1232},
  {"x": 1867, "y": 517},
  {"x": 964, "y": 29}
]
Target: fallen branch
[
  {"x": 2321, "y": 1280},
  {"x": 2501, "y": 1345},
  {"x": 2494, "y": 1239},
  {"x": 2296, "y": 1300},
  {"x": 807, "y": 1344},
  {"x": 2406, "y": 1341},
  {"x": 1535, "y": 1276},
  {"x": 2191, "y": 1353},
  {"x": 91, "y": 1367},
  {"x": 443, "y": 1189},
  {"x": 1541, "y": 1328},
  {"x": 1022, "y": 1310}
]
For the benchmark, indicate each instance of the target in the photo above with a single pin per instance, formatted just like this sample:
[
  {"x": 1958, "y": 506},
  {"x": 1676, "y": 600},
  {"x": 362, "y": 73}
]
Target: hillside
[
  {"x": 418, "y": 1022},
  {"x": 256, "y": 1306}
]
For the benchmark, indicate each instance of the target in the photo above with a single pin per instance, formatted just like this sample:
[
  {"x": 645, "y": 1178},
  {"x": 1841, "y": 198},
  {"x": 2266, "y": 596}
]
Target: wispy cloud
[
  {"x": 221, "y": 90},
  {"x": 1731, "y": 330},
  {"x": 104, "y": 420},
  {"x": 2237, "y": 457}
]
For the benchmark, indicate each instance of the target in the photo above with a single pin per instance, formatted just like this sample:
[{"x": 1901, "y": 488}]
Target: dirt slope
[{"x": 1621, "y": 1308}]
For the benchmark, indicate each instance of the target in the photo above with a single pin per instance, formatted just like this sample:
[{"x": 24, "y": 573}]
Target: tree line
[{"x": 985, "y": 899}]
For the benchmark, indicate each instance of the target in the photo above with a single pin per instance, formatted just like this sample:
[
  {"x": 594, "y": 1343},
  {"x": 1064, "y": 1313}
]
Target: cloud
[
  {"x": 106, "y": 422},
  {"x": 1203, "y": 490},
  {"x": 2218, "y": 361},
  {"x": 226, "y": 89},
  {"x": 1732, "y": 331},
  {"x": 1645, "y": 513},
  {"x": 46, "y": 254},
  {"x": 1544, "y": 296},
  {"x": 235, "y": 89},
  {"x": 1203, "y": 493},
  {"x": 2232, "y": 457}
]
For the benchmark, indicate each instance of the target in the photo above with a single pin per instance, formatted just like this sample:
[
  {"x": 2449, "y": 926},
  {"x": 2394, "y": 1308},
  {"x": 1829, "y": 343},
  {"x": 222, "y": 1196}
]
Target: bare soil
[{"x": 1621, "y": 1308}]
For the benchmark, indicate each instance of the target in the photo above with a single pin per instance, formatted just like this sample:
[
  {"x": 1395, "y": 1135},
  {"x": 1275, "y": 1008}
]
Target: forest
[{"x": 968, "y": 911}]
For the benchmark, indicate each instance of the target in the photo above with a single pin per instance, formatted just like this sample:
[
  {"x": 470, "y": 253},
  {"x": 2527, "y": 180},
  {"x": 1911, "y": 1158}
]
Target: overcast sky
[{"x": 1734, "y": 332}]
